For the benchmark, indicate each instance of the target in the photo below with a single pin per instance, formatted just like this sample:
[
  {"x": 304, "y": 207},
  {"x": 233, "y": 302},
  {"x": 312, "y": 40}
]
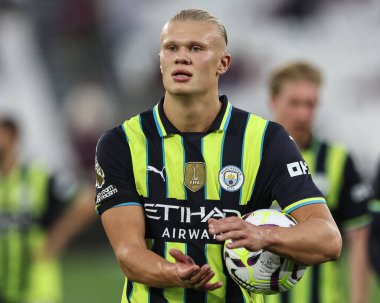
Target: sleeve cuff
[
  {"x": 357, "y": 222},
  {"x": 100, "y": 209},
  {"x": 300, "y": 203},
  {"x": 374, "y": 206}
]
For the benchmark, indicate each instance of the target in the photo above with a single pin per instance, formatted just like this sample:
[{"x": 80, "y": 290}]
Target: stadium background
[{"x": 70, "y": 69}]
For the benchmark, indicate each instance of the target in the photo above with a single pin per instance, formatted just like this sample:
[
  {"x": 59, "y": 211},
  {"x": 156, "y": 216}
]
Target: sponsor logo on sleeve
[
  {"x": 99, "y": 175},
  {"x": 298, "y": 168},
  {"x": 109, "y": 191}
]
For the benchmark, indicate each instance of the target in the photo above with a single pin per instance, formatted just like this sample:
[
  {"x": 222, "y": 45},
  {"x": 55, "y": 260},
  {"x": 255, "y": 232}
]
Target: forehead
[
  {"x": 299, "y": 87},
  {"x": 182, "y": 31}
]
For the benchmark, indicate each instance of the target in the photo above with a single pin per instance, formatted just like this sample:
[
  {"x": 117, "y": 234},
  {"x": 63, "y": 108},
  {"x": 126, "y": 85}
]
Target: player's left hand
[{"x": 241, "y": 232}]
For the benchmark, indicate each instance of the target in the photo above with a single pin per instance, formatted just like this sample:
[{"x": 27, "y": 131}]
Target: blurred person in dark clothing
[
  {"x": 374, "y": 235},
  {"x": 34, "y": 226},
  {"x": 294, "y": 93}
]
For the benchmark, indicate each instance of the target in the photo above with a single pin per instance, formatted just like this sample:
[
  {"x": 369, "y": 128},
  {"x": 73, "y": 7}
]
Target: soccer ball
[{"x": 262, "y": 271}]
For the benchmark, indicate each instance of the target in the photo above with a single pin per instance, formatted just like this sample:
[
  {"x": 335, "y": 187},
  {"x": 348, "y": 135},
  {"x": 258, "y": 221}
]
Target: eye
[
  {"x": 195, "y": 48},
  {"x": 172, "y": 47}
]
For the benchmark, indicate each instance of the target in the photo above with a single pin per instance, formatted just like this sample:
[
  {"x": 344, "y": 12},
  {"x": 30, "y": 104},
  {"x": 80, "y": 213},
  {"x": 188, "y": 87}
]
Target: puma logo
[{"x": 155, "y": 170}]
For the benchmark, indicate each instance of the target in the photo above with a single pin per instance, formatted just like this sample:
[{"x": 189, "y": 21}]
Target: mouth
[{"x": 181, "y": 75}]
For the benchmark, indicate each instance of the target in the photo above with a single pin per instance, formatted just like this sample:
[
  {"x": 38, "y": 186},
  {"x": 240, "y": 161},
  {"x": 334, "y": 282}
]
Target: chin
[{"x": 180, "y": 91}]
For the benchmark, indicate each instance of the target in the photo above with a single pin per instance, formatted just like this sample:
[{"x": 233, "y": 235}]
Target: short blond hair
[
  {"x": 294, "y": 71},
  {"x": 194, "y": 14}
]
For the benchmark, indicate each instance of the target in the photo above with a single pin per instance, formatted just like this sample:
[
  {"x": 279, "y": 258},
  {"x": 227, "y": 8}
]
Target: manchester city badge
[{"x": 231, "y": 178}]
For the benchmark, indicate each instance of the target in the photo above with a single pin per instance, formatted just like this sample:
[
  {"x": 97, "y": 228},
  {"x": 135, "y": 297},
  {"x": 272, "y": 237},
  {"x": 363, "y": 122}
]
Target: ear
[
  {"x": 159, "y": 57},
  {"x": 224, "y": 64},
  {"x": 272, "y": 102}
]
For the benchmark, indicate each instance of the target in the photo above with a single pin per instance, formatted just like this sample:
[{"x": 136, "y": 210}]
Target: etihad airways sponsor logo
[
  {"x": 187, "y": 234},
  {"x": 167, "y": 212}
]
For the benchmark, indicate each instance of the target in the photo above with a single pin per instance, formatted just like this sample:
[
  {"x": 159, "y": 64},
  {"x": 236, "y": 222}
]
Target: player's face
[
  {"x": 192, "y": 57},
  {"x": 7, "y": 141},
  {"x": 295, "y": 107}
]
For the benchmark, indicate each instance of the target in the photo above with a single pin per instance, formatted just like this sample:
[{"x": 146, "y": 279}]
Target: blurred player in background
[
  {"x": 374, "y": 238},
  {"x": 34, "y": 226},
  {"x": 165, "y": 176},
  {"x": 294, "y": 90}
]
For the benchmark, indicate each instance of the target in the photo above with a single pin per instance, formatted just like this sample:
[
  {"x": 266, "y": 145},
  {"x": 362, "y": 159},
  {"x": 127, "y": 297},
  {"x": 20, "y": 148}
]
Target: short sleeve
[
  {"x": 353, "y": 202},
  {"x": 62, "y": 188},
  {"x": 374, "y": 237},
  {"x": 115, "y": 185},
  {"x": 376, "y": 185},
  {"x": 283, "y": 175}
]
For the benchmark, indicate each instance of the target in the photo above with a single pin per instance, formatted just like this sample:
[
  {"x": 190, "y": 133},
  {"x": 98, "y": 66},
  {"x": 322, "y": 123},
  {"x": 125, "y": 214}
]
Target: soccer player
[
  {"x": 172, "y": 181},
  {"x": 33, "y": 228},
  {"x": 294, "y": 94}
]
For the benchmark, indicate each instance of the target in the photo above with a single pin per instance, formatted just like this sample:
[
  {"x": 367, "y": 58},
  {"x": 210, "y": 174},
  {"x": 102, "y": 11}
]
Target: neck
[
  {"x": 7, "y": 163},
  {"x": 192, "y": 114},
  {"x": 303, "y": 140}
]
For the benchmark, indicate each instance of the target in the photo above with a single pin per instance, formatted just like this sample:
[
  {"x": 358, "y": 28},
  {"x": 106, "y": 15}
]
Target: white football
[{"x": 262, "y": 271}]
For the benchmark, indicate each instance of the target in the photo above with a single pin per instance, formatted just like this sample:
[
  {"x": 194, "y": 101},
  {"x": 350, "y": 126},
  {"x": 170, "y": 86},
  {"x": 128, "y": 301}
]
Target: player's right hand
[{"x": 191, "y": 275}]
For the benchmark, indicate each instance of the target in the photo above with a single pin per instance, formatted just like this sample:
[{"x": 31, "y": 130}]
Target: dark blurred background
[{"x": 71, "y": 69}]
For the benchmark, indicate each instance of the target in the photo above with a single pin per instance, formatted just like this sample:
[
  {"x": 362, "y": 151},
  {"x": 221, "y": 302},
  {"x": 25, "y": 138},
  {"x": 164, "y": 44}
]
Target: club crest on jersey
[
  {"x": 231, "y": 178},
  {"x": 99, "y": 175},
  {"x": 195, "y": 175}
]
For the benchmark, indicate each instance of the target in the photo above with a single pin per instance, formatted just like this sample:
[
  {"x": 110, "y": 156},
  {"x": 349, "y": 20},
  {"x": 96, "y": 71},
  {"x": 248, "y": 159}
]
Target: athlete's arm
[
  {"x": 123, "y": 218},
  {"x": 353, "y": 207},
  {"x": 284, "y": 177},
  {"x": 358, "y": 264},
  {"x": 125, "y": 228},
  {"x": 79, "y": 214},
  {"x": 374, "y": 238},
  {"x": 68, "y": 211},
  {"x": 315, "y": 239}
]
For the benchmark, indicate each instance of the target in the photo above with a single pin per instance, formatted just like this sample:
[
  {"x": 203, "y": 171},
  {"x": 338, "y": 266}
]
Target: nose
[
  {"x": 304, "y": 114},
  {"x": 182, "y": 58}
]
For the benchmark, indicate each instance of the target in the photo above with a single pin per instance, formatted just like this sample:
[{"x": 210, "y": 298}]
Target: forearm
[
  {"x": 144, "y": 266},
  {"x": 311, "y": 242},
  {"x": 71, "y": 223},
  {"x": 358, "y": 264}
]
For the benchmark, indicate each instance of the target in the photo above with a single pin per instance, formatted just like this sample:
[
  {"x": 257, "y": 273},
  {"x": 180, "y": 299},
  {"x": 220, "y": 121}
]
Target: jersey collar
[{"x": 165, "y": 128}]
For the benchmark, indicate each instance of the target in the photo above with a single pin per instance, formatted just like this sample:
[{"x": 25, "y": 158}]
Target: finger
[
  {"x": 180, "y": 256},
  {"x": 237, "y": 244},
  {"x": 185, "y": 273},
  {"x": 205, "y": 270},
  {"x": 233, "y": 235},
  {"x": 226, "y": 225},
  {"x": 212, "y": 286},
  {"x": 205, "y": 279},
  {"x": 211, "y": 220}
]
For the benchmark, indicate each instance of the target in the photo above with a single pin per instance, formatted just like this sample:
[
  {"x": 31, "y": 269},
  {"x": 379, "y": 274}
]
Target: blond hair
[
  {"x": 195, "y": 14},
  {"x": 294, "y": 71}
]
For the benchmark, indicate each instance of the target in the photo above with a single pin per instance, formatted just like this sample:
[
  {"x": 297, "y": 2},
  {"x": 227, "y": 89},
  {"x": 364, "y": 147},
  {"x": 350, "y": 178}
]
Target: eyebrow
[{"x": 192, "y": 42}]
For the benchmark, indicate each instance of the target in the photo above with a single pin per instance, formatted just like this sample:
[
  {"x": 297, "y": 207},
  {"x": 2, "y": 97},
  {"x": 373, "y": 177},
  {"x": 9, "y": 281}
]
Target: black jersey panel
[{"x": 116, "y": 183}]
